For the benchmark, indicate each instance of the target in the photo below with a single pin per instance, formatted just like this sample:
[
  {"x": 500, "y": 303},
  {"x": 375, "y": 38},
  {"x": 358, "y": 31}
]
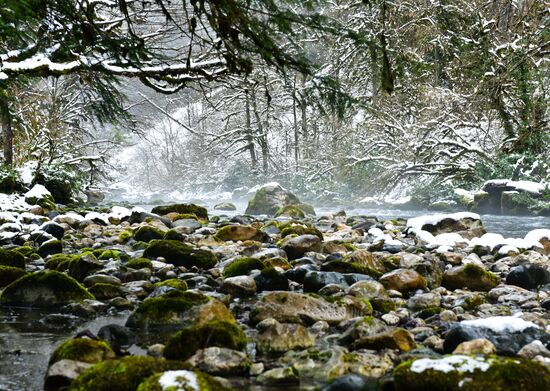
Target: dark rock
[
  {"x": 528, "y": 276},
  {"x": 53, "y": 229},
  {"x": 506, "y": 342},
  {"x": 353, "y": 382},
  {"x": 298, "y": 274},
  {"x": 270, "y": 279},
  {"x": 120, "y": 338},
  {"x": 314, "y": 280}
]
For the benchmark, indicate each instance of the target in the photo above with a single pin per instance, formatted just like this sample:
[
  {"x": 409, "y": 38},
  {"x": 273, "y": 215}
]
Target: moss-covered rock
[
  {"x": 180, "y": 254},
  {"x": 239, "y": 232},
  {"x": 12, "y": 258},
  {"x": 470, "y": 276},
  {"x": 184, "y": 216},
  {"x": 198, "y": 211},
  {"x": 147, "y": 233},
  {"x": 242, "y": 266},
  {"x": 113, "y": 254},
  {"x": 83, "y": 349},
  {"x": 139, "y": 263},
  {"x": 60, "y": 262},
  {"x": 466, "y": 373},
  {"x": 167, "y": 311},
  {"x": 182, "y": 380},
  {"x": 292, "y": 211},
  {"x": 292, "y": 228},
  {"x": 50, "y": 247},
  {"x": 269, "y": 198},
  {"x": 349, "y": 267},
  {"x": 397, "y": 338},
  {"x": 43, "y": 289},
  {"x": 83, "y": 265},
  {"x": 174, "y": 283},
  {"x": 125, "y": 374},
  {"x": 9, "y": 274},
  {"x": 187, "y": 341}
]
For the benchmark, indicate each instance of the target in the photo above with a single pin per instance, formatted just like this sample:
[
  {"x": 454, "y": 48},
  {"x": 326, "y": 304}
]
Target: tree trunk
[
  {"x": 295, "y": 119},
  {"x": 249, "y": 136},
  {"x": 7, "y": 131}
]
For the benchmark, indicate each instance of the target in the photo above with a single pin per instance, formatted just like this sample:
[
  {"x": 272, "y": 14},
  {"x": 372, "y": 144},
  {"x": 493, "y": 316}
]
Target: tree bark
[{"x": 7, "y": 131}]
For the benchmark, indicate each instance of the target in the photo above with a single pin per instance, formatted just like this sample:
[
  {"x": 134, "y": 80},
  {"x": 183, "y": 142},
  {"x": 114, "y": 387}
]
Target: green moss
[
  {"x": 383, "y": 305},
  {"x": 204, "y": 381},
  {"x": 183, "y": 216},
  {"x": 62, "y": 263},
  {"x": 503, "y": 374},
  {"x": 125, "y": 236},
  {"x": 260, "y": 203},
  {"x": 140, "y": 263},
  {"x": 125, "y": 374},
  {"x": 173, "y": 283},
  {"x": 349, "y": 246},
  {"x": 472, "y": 270},
  {"x": 180, "y": 254},
  {"x": 242, "y": 266},
  {"x": 198, "y": 211},
  {"x": 26, "y": 251},
  {"x": 42, "y": 289},
  {"x": 349, "y": 267},
  {"x": 114, "y": 254},
  {"x": 82, "y": 265},
  {"x": 9, "y": 274},
  {"x": 147, "y": 233},
  {"x": 187, "y": 341},
  {"x": 292, "y": 211},
  {"x": 82, "y": 349},
  {"x": 299, "y": 229},
  {"x": 11, "y": 258},
  {"x": 50, "y": 247},
  {"x": 473, "y": 301},
  {"x": 165, "y": 311}
]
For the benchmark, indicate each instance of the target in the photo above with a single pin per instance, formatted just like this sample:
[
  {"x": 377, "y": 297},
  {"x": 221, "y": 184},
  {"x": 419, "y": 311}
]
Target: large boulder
[
  {"x": 197, "y": 210},
  {"x": 466, "y": 373},
  {"x": 43, "y": 289},
  {"x": 180, "y": 254},
  {"x": 292, "y": 307},
  {"x": 269, "y": 198}
]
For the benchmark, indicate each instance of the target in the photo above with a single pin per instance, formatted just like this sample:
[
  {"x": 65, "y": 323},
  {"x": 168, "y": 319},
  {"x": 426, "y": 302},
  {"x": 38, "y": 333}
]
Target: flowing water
[{"x": 27, "y": 341}]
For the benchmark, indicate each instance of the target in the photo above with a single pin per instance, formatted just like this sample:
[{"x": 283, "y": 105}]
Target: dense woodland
[{"x": 335, "y": 99}]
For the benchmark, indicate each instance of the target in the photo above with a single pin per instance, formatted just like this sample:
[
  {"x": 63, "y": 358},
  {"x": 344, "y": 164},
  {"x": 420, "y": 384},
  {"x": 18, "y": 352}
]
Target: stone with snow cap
[
  {"x": 466, "y": 224},
  {"x": 181, "y": 380},
  {"x": 508, "y": 333},
  {"x": 466, "y": 373}
]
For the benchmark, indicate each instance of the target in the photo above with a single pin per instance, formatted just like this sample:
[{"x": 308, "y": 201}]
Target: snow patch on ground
[
  {"x": 453, "y": 363},
  {"x": 13, "y": 202},
  {"x": 501, "y": 324},
  {"x": 492, "y": 240},
  {"x": 179, "y": 380}
]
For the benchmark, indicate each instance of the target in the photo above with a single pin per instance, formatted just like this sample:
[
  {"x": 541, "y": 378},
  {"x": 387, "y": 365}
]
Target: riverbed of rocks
[{"x": 284, "y": 299}]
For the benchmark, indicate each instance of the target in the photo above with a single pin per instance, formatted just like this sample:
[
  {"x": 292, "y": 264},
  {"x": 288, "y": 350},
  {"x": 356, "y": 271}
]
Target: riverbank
[{"x": 302, "y": 302}]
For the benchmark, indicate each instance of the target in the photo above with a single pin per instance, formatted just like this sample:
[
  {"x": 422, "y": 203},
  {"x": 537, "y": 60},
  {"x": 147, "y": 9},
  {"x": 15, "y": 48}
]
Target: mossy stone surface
[
  {"x": 83, "y": 265},
  {"x": 173, "y": 283},
  {"x": 125, "y": 374},
  {"x": 242, "y": 266},
  {"x": 299, "y": 229},
  {"x": 113, "y": 254},
  {"x": 268, "y": 199},
  {"x": 239, "y": 232},
  {"x": 187, "y": 341},
  {"x": 147, "y": 233},
  {"x": 44, "y": 289},
  {"x": 82, "y": 349},
  {"x": 166, "y": 311},
  {"x": 60, "y": 262},
  {"x": 50, "y": 247},
  {"x": 180, "y": 254},
  {"x": 293, "y": 211},
  {"x": 105, "y": 291},
  {"x": 470, "y": 276},
  {"x": 9, "y": 274},
  {"x": 500, "y": 374},
  {"x": 11, "y": 258},
  {"x": 139, "y": 263},
  {"x": 197, "y": 210},
  {"x": 349, "y": 267},
  {"x": 204, "y": 382}
]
